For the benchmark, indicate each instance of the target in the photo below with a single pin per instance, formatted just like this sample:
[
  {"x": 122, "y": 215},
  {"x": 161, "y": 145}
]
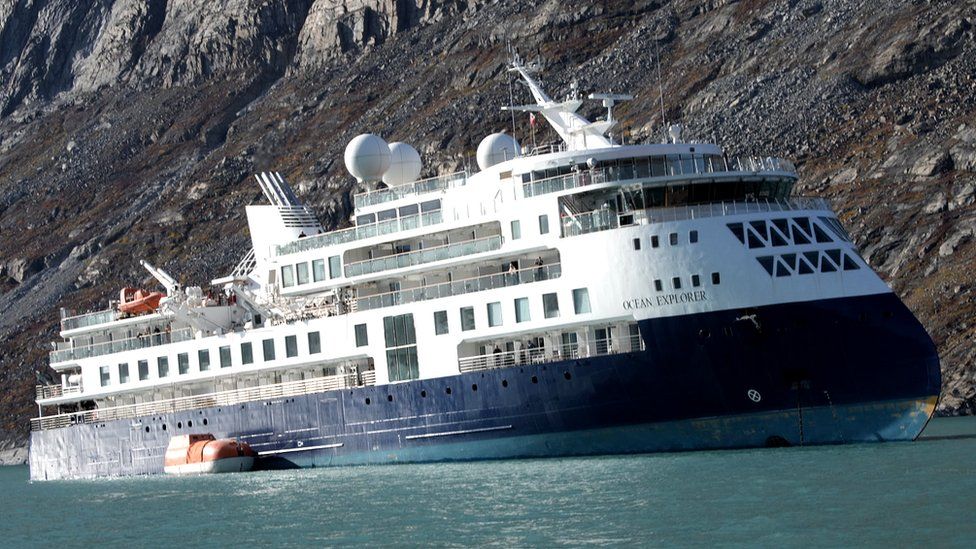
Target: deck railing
[
  {"x": 119, "y": 345},
  {"x": 89, "y": 319},
  {"x": 222, "y": 398},
  {"x": 427, "y": 255},
  {"x": 419, "y": 187},
  {"x": 360, "y": 232},
  {"x": 582, "y": 349}
]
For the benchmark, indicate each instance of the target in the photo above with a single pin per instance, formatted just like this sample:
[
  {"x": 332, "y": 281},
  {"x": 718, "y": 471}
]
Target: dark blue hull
[{"x": 846, "y": 370}]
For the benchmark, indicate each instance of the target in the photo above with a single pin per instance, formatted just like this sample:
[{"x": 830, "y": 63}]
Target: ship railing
[
  {"x": 120, "y": 345},
  {"x": 89, "y": 319},
  {"x": 459, "y": 287},
  {"x": 605, "y": 219},
  {"x": 426, "y": 255},
  {"x": 360, "y": 232},
  {"x": 665, "y": 168},
  {"x": 222, "y": 398},
  {"x": 48, "y": 391},
  {"x": 419, "y": 187},
  {"x": 582, "y": 349},
  {"x": 548, "y": 148}
]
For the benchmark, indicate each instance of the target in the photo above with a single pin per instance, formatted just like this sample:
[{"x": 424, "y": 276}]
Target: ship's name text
[{"x": 667, "y": 299}]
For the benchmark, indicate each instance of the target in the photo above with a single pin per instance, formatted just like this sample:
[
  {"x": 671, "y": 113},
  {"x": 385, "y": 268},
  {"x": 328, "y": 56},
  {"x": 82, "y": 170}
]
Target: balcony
[
  {"x": 120, "y": 345},
  {"x": 361, "y": 232},
  {"x": 427, "y": 255},
  {"x": 89, "y": 319},
  {"x": 581, "y": 349},
  {"x": 419, "y": 187}
]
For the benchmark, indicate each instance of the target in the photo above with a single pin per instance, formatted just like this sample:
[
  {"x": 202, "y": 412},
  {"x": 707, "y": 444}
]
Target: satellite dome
[
  {"x": 496, "y": 148},
  {"x": 367, "y": 157},
  {"x": 405, "y": 164}
]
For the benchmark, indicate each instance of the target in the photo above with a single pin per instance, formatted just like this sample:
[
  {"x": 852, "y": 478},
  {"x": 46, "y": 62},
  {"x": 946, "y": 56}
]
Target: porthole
[
  {"x": 504, "y": 383},
  {"x": 423, "y": 394},
  {"x": 474, "y": 386},
  {"x": 389, "y": 398},
  {"x": 568, "y": 376},
  {"x": 447, "y": 390},
  {"x": 205, "y": 421},
  {"x": 189, "y": 423},
  {"x": 367, "y": 400},
  {"x": 147, "y": 428},
  {"x": 704, "y": 334},
  {"x": 164, "y": 426},
  {"x": 179, "y": 424},
  {"x": 535, "y": 379}
]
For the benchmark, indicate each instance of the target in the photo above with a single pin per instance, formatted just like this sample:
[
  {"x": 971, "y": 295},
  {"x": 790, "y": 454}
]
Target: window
[
  {"x": 291, "y": 346},
  {"x": 581, "y": 301},
  {"x": 362, "y": 339},
  {"x": 522, "y": 309},
  {"x": 203, "y": 357},
  {"x": 695, "y": 281},
  {"x": 673, "y": 239},
  {"x": 335, "y": 265},
  {"x": 543, "y": 224},
  {"x": 467, "y": 319},
  {"x": 693, "y": 237},
  {"x": 162, "y": 366},
  {"x": 268, "y": 350},
  {"x": 550, "y": 305},
  {"x": 440, "y": 323},
  {"x": 716, "y": 279},
  {"x": 637, "y": 244},
  {"x": 318, "y": 270},
  {"x": 183, "y": 363},
  {"x": 676, "y": 282},
  {"x": 247, "y": 353},
  {"x": 570, "y": 347},
  {"x": 604, "y": 340},
  {"x": 287, "y": 276},
  {"x": 401, "y": 347},
  {"x": 658, "y": 286},
  {"x": 655, "y": 242},
  {"x": 314, "y": 343},
  {"x": 104, "y": 376},
  {"x": 301, "y": 270},
  {"x": 143, "y": 366},
  {"x": 495, "y": 314},
  {"x": 124, "y": 372},
  {"x": 516, "y": 230},
  {"x": 224, "y": 353}
]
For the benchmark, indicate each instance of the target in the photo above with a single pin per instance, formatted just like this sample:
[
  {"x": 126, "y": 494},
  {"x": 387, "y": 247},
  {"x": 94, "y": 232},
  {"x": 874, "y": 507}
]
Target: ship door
[{"x": 125, "y": 453}]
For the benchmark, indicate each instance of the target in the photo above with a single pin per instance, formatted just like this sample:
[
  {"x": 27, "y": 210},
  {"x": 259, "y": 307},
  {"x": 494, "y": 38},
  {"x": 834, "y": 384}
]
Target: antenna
[{"x": 660, "y": 84}]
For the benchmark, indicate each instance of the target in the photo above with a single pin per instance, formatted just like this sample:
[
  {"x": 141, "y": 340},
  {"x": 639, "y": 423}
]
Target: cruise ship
[{"x": 580, "y": 298}]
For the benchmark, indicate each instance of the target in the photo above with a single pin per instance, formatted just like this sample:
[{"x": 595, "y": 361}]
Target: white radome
[
  {"x": 405, "y": 165},
  {"x": 496, "y": 148},
  {"x": 367, "y": 157}
]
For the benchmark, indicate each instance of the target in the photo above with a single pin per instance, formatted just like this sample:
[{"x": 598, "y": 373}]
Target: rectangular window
[
  {"x": 655, "y": 242},
  {"x": 401, "y": 347},
  {"x": 440, "y": 323},
  {"x": 716, "y": 279},
  {"x": 287, "y": 276},
  {"x": 318, "y": 270},
  {"x": 183, "y": 363},
  {"x": 673, "y": 238},
  {"x": 301, "y": 272},
  {"x": 695, "y": 280},
  {"x": 693, "y": 237},
  {"x": 361, "y": 337},
  {"x": 314, "y": 343},
  {"x": 162, "y": 366},
  {"x": 247, "y": 353},
  {"x": 203, "y": 357},
  {"x": 268, "y": 350},
  {"x": 581, "y": 301},
  {"x": 637, "y": 244},
  {"x": 335, "y": 267},
  {"x": 516, "y": 230},
  {"x": 104, "y": 376},
  {"x": 224, "y": 356},
  {"x": 570, "y": 347},
  {"x": 676, "y": 283},
  {"x": 467, "y": 319},
  {"x": 494, "y": 314},
  {"x": 658, "y": 286},
  {"x": 543, "y": 224},
  {"x": 550, "y": 305},
  {"x": 522, "y": 309},
  {"x": 291, "y": 346},
  {"x": 143, "y": 370},
  {"x": 124, "y": 372}
]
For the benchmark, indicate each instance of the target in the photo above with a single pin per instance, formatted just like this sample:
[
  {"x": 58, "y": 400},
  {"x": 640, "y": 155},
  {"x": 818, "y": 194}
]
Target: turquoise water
[{"x": 898, "y": 494}]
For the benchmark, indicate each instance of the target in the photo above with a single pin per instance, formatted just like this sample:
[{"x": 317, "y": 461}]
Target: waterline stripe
[
  {"x": 464, "y": 432},
  {"x": 302, "y": 449}
]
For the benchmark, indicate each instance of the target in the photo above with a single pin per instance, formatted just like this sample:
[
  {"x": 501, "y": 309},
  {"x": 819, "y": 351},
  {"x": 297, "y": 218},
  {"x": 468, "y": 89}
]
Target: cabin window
[
  {"x": 673, "y": 239},
  {"x": 361, "y": 337},
  {"x": 467, "y": 319},
  {"x": 494, "y": 314},
  {"x": 291, "y": 346},
  {"x": 183, "y": 363},
  {"x": 247, "y": 353},
  {"x": 581, "y": 301},
  {"x": 695, "y": 281},
  {"x": 287, "y": 276},
  {"x": 301, "y": 272},
  {"x": 162, "y": 366},
  {"x": 268, "y": 349},
  {"x": 314, "y": 343},
  {"x": 658, "y": 286},
  {"x": 143, "y": 366},
  {"x": 676, "y": 283},
  {"x": 637, "y": 244},
  {"x": 655, "y": 241},
  {"x": 516, "y": 230},
  {"x": 104, "y": 376},
  {"x": 203, "y": 357},
  {"x": 550, "y": 305},
  {"x": 543, "y": 224},
  {"x": 401, "y": 347},
  {"x": 224, "y": 356},
  {"x": 335, "y": 265},
  {"x": 318, "y": 270},
  {"x": 716, "y": 279},
  {"x": 570, "y": 345},
  {"x": 440, "y": 323},
  {"x": 124, "y": 372},
  {"x": 522, "y": 309},
  {"x": 693, "y": 237}
]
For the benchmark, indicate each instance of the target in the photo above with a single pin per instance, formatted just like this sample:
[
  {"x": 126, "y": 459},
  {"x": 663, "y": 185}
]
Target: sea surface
[{"x": 895, "y": 495}]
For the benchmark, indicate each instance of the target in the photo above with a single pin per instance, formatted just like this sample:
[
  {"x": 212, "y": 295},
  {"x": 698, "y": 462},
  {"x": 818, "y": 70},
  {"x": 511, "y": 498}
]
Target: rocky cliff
[{"x": 129, "y": 128}]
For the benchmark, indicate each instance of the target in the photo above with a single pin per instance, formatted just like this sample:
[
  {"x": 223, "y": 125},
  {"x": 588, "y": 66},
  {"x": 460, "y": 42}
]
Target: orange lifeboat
[
  {"x": 199, "y": 454},
  {"x": 134, "y": 301}
]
